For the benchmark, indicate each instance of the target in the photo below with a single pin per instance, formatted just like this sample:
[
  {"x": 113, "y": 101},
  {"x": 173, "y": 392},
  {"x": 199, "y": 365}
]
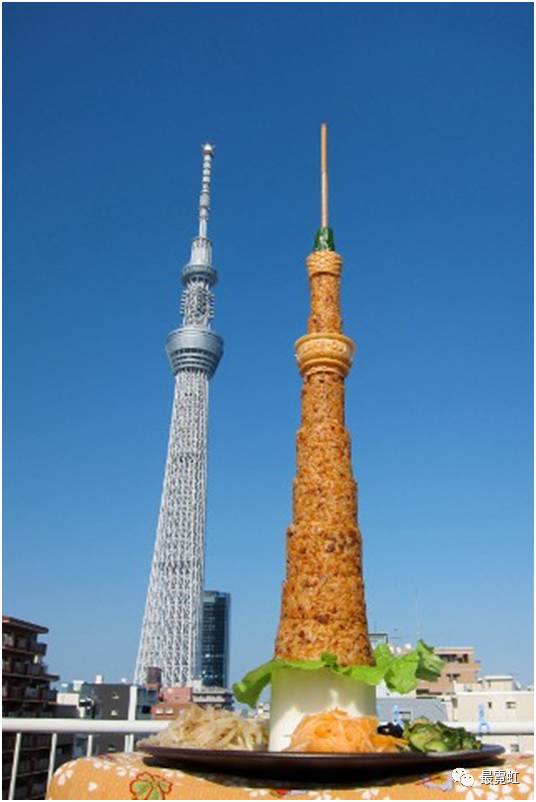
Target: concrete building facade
[{"x": 494, "y": 698}]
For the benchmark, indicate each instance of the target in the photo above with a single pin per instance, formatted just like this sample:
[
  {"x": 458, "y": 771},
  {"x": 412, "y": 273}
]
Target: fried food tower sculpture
[
  {"x": 323, "y": 658},
  {"x": 323, "y": 602}
]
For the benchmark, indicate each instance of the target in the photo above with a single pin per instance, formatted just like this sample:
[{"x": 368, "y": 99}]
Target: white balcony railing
[
  {"x": 74, "y": 726},
  {"x": 130, "y": 728}
]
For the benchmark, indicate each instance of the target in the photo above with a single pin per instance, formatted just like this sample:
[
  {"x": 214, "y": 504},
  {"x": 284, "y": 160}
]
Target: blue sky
[{"x": 430, "y": 114}]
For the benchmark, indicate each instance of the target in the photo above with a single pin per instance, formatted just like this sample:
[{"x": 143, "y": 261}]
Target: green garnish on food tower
[
  {"x": 401, "y": 673},
  {"x": 323, "y": 657}
]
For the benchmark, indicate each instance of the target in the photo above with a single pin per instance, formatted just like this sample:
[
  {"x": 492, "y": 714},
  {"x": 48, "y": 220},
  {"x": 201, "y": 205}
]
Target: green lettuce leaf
[
  {"x": 430, "y": 664},
  {"x": 251, "y": 686},
  {"x": 400, "y": 672}
]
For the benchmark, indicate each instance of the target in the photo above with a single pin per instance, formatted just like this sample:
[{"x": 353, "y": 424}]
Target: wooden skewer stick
[{"x": 324, "y": 175}]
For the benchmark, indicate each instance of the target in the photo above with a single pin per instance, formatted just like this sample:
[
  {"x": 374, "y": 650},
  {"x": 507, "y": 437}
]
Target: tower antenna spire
[
  {"x": 324, "y": 175},
  {"x": 204, "y": 197}
]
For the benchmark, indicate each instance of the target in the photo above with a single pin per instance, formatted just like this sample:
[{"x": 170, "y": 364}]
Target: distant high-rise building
[
  {"x": 215, "y": 638},
  {"x": 26, "y": 692}
]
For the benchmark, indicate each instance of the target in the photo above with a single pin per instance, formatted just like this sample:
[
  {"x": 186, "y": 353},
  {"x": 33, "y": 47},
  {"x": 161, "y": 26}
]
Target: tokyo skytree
[{"x": 171, "y": 630}]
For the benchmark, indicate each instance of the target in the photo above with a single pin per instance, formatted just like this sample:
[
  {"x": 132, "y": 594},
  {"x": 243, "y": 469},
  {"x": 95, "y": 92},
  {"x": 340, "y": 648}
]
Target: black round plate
[{"x": 315, "y": 767}]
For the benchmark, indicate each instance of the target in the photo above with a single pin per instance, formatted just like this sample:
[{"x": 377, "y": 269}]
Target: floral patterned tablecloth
[{"x": 131, "y": 776}]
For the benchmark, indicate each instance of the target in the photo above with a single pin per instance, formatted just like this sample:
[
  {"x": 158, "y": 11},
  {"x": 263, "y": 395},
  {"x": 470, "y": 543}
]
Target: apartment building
[{"x": 26, "y": 693}]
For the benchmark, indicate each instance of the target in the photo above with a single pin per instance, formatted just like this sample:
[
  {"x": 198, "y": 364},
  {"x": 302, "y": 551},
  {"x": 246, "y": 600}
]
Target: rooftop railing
[{"x": 131, "y": 728}]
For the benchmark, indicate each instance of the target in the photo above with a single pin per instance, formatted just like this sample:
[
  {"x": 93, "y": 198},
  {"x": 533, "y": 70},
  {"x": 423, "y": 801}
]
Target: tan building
[
  {"x": 460, "y": 667},
  {"x": 172, "y": 700}
]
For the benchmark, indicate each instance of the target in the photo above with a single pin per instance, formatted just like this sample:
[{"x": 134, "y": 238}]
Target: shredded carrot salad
[{"x": 336, "y": 731}]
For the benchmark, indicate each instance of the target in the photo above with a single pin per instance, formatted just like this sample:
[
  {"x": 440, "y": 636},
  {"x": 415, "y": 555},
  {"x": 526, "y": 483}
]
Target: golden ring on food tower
[
  {"x": 325, "y": 352},
  {"x": 324, "y": 262}
]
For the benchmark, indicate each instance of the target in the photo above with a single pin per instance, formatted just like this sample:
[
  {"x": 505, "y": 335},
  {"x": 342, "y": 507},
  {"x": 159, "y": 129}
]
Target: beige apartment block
[{"x": 460, "y": 667}]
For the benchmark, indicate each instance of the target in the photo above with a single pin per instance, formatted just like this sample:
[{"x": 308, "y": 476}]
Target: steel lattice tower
[{"x": 171, "y": 630}]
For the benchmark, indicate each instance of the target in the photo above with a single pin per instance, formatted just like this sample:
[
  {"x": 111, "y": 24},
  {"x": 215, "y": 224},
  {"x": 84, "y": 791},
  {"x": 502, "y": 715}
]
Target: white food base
[{"x": 298, "y": 692}]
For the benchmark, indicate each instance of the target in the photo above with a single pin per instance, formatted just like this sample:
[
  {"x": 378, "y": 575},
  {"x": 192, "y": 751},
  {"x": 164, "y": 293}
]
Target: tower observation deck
[{"x": 171, "y": 630}]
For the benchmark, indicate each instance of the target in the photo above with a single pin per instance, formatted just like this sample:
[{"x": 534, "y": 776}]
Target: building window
[
  {"x": 115, "y": 695},
  {"x": 490, "y": 705},
  {"x": 511, "y": 705},
  {"x": 113, "y": 712},
  {"x": 406, "y": 715},
  {"x": 514, "y": 747}
]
